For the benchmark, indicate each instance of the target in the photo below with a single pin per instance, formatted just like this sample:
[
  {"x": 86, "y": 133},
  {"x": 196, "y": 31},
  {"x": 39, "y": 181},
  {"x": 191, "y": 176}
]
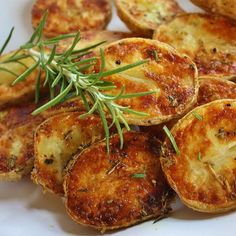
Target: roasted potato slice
[
  {"x": 202, "y": 170},
  {"x": 172, "y": 76},
  {"x": 16, "y": 150},
  {"x": 17, "y": 127},
  {"x": 215, "y": 89},
  {"x": 209, "y": 90},
  {"x": 56, "y": 141},
  {"x": 144, "y": 16},
  {"x": 208, "y": 39},
  {"x": 71, "y": 16},
  {"x": 223, "y": 7},
  {"x": 20, "y": 92},
  {"x": 92, "y": 37},
  {"x": 120, "y": 189}
]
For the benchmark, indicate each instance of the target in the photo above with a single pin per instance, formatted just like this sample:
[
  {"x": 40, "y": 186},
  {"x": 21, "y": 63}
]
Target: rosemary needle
[
  {"x": 65, "y": 71},
  {"x": 172, "y": 140}
]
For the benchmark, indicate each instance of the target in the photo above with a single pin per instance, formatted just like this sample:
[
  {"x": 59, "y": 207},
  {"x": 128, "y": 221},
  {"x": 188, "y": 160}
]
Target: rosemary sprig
[{"x": 66, "y": 71}]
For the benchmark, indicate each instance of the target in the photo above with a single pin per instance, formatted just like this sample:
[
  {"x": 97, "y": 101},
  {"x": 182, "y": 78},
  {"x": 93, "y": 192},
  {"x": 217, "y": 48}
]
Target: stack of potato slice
[{"x": 191, "y": 59}]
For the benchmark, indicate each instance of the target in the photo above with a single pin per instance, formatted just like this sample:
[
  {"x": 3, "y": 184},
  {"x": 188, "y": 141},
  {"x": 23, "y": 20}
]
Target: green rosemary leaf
[
  {"x": 6, "y": 41},
  {"x": 63, "y": 84},
  {"x": 38, "y": 31},
  {"x": 86, "y": 104},
  {"x": 91, "y": 111},
  {"x": 199, "y": 156},
  {"x": 15, "y": 58},
  {"x": 27, "y": 46},
  {"x": 155, "y": 55},
  {"x": 141, "y": 94},
  {"x": 123, "y": 121},
  {"x": 9, "y": 71},
  {"x": 139, "y": 175},
  {"x": 46, "y": 78},
  {"x": 85, "y": 67},
  {"x": 70, "y": 50},
  {"x": 61, "y": 37},
  {"x": 134, "y": 112},
  {"x": 199, "y": 117},
  {"x": 85, "y": 61},
  {"x": 54, "y": 101},
  {"x": 57, "y": 79},
  {"x": 88, "y": 48},
  {"x": 123, "y": 68},
  {"x": 26, "y": 73},
  {"x": 105, "y": 125},
  {"x": 106, "y": 87},
  {"x": 99, "y": 76},
  {"x": 37, "y": 86},
  {"x": 120, "y": 133},
  {"x": 172, "y": 140},
  {"x": 52, "y": 55}
]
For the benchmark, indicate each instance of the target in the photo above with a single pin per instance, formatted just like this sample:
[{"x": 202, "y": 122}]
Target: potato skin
[
  {"x": 101, "y": 191},
  {"x": 205, "y": 184},
  {"x": 144, "y": 16},
  {"x": 173, "y": 76},
  {"x": 215, "y": 89},
  {"x": 223, "y": 7},
  {"x": 209, "y": 40},
  {"x": 68, "y": 16},
  {"x": 56, "y": 141}
]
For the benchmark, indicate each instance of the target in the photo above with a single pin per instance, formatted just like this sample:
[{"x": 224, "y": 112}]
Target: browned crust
[
  {"x": 71, "y": 15},
  {"x": 17, "y": 127},
  {"x": 101, "y": 191},
  {"x": 203, "y": 37},
  {"x": 172, "y": 75},
  {"x": 208, "y": 184},
  {"x": 137, "y": 19},
  {"x": 56, "y": 140},
  {"x": 215, "y": 89},
  {"x": 223, "y": 7}
]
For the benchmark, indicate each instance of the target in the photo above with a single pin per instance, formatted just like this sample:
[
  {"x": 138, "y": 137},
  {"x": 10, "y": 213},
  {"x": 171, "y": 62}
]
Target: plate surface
[{"x": 26, "y": 211}]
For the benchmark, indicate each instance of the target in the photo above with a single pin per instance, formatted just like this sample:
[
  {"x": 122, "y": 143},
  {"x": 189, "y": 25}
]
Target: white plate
[{"x": 26, "y": 211}]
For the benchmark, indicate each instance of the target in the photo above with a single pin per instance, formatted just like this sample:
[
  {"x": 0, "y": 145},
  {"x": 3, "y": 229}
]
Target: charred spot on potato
[{"x": 48, "y": 161}]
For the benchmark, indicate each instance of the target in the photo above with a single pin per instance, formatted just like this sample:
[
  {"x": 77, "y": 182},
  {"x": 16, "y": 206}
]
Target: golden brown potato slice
[
  {"x": 92, "y": 37},
  {"x": 209, "y": 90},
  {"x": 56, "y": 141},
  {"x": 209, "y": 40},
  {"x": 171, "y": 75},
  {"x": 17, "y": 127},
  {"x": 71, "y": 16},
  {"x": 223, "y": 7},
  {"x": 215, "y": 89},
  {"x": 16, "y": 150},
  {"x": 120, "y": 189},
  {"x": 203, "y": 174},
  {"x": 20, "y": 92},
  {"x": 144, "y": 16}
]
